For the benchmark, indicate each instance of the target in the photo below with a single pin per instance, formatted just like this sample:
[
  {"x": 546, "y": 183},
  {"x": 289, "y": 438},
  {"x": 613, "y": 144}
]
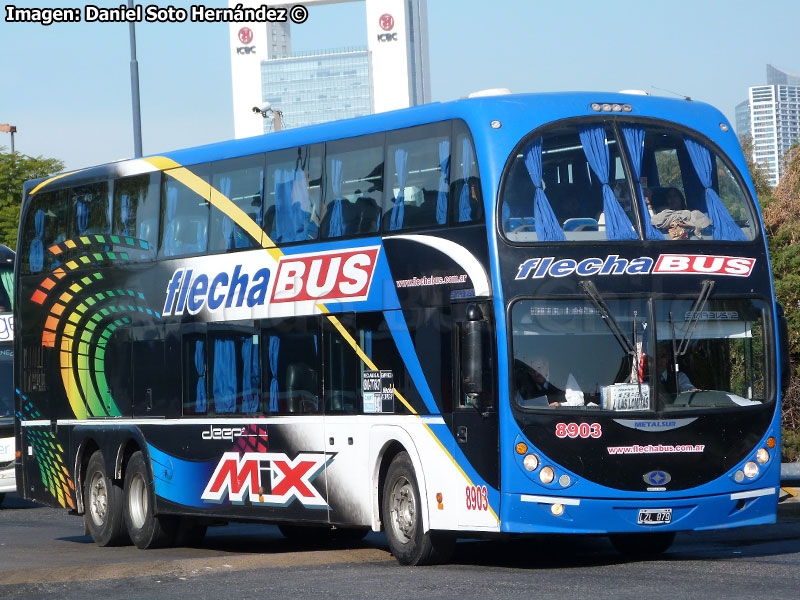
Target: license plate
[{"x": 655, "y": 516}]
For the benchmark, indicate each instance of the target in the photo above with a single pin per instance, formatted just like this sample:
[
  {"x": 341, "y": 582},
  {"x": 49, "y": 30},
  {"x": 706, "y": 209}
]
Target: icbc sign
[
  {"x": 245, "y": 35},
  {"x": 325, "y": 276},
  {"x": 386, "y": 22}
]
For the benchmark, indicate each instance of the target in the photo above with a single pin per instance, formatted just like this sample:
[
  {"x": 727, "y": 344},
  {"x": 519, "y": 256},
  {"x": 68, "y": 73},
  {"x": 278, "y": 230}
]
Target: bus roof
[{"x": 524, "y": 112}]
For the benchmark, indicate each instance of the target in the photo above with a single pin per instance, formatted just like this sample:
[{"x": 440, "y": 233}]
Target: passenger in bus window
[
  {"x": 677, "y": 220},
  {"x": 667, "y": 377},
  {"x": 534, "y": 389}
]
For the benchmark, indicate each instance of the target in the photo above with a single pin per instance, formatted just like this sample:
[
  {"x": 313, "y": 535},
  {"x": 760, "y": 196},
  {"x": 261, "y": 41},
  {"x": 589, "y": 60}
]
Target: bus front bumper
[{"x": 526, "y": 513}]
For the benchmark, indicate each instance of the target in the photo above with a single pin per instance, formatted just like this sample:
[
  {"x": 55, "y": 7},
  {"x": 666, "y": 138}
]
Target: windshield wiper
[
  {"x": 680, "y": 348},
  {"x": 591, "y": 290}
]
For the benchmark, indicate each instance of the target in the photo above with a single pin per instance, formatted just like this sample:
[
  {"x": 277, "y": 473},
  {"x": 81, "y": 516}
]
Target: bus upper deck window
[
  {"x": 184, "y": 215},
  {"x": 47, "y": 222},
  {"x": 135, "y": 210},
  {"x": 465, "y": 188},
  {"x": 240, "y": 180}
]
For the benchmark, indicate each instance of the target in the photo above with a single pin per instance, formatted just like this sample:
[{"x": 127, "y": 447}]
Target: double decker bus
[
  {"x": 7, "y": 477},
  {"x": 501, "y": 315}
]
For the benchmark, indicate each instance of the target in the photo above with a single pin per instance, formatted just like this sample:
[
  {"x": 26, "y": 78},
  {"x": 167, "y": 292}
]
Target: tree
[
  {"x": 782, "y": 223},
  {"x": 15, "y": 169},
  {"x": 758, "y": 173}
]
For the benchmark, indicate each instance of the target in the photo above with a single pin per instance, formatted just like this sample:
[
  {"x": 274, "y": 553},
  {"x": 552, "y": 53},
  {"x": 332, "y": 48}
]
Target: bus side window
[
  {"x": 290, "y": 363},
  {"x": 136, "y": 208},
  {"x": 195, "y": 376},
  {"x": 293, "y": 194},
  {"x": 91, "y": 209},
  {"x": 417, "y": 177},
  {"x": 233, "y": 372},
  {"x": 465, "y": 189},
  {"x": 354, "y": 169},
  {"x": 184, "y": 214},
  {"x": 47, "y": 222},
  {"x": 241, "y": 180}
]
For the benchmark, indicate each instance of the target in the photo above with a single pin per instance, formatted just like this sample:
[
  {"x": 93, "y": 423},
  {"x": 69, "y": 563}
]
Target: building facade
[
  {"x": 389, "y": 72},
  {"x": 771, "y": 116}
]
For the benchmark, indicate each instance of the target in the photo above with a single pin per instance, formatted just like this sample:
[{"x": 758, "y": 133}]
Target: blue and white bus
[
  {"x": 516, "y": 314},
  {"x": 7, "y": 472}
]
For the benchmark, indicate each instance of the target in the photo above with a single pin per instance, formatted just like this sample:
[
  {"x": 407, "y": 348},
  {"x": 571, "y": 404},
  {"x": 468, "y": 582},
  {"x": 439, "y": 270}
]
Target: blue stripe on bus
[{"x": 180, "y": 481}]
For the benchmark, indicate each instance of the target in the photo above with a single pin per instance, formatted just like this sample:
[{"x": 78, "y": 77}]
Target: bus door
[
  {"x": 347, "y": 434},
  {"x": 475, "y": 418}
]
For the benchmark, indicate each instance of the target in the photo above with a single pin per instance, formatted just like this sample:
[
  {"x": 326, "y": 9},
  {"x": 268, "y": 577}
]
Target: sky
[{"x": 66, "y": 86}]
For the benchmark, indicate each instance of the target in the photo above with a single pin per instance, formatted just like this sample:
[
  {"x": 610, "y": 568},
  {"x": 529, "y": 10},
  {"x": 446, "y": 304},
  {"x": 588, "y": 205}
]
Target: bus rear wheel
[
  {"x": 146, "y": 529},
  {"x": 642, "y": 544},
  {"x": 401, "y": 512},
  {"x": 103, "y": 500}
]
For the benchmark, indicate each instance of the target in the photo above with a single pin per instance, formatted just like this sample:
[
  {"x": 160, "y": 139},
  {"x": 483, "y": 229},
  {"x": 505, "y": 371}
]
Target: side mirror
[
  {"x": 783, "y": 347},
  {"x": 474, "y": 336}
]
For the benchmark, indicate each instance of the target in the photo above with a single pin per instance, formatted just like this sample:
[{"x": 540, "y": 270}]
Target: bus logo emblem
[
  {"x": 657, "y": 478},
  {"x": 237, "y": 476}
]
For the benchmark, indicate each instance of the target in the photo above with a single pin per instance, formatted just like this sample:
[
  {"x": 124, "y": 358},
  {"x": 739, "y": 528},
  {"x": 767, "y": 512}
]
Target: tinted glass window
[
  {"x": 418, "y": 177},
  {"x": 354, "y": 188},
  {"x": 467, "y": 203},
  {"x": 184, "y": 213},
  {"x": 47, "y": 222},
  {"x": 241, "y": 180},
  {"x": 691, "y": 192},
  {"x": 290, "y": 363},
  {"x": 293, "y": 194},
  {"x": 136, "y": 209},
  {"x": 569, "y": 165},
  {"x": 91, "y": 209}
]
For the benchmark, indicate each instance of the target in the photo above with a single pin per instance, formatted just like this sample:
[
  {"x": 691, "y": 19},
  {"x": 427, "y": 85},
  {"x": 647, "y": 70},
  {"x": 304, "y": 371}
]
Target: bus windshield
[
  {"x": 566, "y": 355},
  {"x": 570, "y": 183}
]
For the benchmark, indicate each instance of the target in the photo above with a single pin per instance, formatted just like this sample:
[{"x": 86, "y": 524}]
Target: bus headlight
[
  {"x": 762, "y": 456},
  {"x": 750, "y": 469},
  {"x": 531, "y": 462},
  {"x": 546, "y": 475}
]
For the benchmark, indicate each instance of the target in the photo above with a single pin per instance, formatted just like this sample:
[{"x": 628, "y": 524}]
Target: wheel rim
[
  {"x": 98, "y": 499},
  {"x": 137, "y": 501},
  {"x": 403, "y": 510}
]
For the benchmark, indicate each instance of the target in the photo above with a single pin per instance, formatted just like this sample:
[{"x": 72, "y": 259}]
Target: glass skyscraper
[{"x": 318, "y": 86}]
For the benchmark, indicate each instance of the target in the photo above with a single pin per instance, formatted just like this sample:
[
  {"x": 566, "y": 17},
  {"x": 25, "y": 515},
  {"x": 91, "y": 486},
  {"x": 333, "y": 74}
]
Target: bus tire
[
  {"x": 401, "y": 512},
  {"x": 642, "y": 544},
  {"x": 103, "y": 499},
  {"x": 146, "y": 529}
]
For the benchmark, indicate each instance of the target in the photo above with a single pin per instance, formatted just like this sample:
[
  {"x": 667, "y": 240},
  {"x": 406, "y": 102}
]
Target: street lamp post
[
  {"x": 137, "y": 117},
  {"x": 12, "y": 129}
]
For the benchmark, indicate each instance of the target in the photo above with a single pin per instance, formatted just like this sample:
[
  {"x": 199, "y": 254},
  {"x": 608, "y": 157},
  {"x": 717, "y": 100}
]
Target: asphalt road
[{"x": 44, "y": 553}]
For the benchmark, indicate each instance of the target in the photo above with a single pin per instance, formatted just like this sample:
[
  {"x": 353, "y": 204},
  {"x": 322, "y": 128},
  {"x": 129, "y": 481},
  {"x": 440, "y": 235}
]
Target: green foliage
[{"x": 15, "y": 169}]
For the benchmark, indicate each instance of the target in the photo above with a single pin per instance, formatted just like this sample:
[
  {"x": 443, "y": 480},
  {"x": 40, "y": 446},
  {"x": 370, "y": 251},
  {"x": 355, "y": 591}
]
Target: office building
[
  {"x": 388, "y": 71},
  {"x": 774, "y": 119}
]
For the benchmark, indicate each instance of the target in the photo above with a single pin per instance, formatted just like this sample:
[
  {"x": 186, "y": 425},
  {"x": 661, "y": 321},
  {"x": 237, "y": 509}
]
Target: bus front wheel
[
  {"x": 402, "y": 518},
  {"x": 103, "y": 499},
  {"x": 642, "y": 544},
  {"x": 147, "y": 530}
]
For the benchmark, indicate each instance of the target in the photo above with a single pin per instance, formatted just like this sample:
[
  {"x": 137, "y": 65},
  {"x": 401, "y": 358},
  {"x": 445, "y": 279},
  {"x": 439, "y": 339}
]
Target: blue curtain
[
  {"x": 224, "y": 388},
  {"x": 304, "y": 223},
  {"x": 36, "y": 258},
  {"x": 124, "y": 213},
  {"x": 336, "y": 225},
  {"x": 444, "y": 182},
  {"x": 227, "y": 222},
  {"x": 634, "y": 138},
  {"x": 547, "y": 227},
  {"x": 467, "y": 158},
  {"x": 274, "y": 351},
  {"x": 284, "y": 218},
  {"x": 200, "y": 403},
  {"x": 170, "y": 243},
  {"x": 401, "y": 168},
  {"x": 250, "y": 379},
  {"x": 618, "y": 225},
  {"x": 83, "y": 216},
  {"x": 725, "y": 227}
]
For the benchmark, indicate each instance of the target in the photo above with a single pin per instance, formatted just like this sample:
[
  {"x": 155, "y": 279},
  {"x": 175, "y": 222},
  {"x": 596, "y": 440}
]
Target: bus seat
[
  {"x": 581, "y": 224},
  {"x": 301, "y": 383},
  {"x": 350, "y": 218},
  {"x": 368, "y": 215}
]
